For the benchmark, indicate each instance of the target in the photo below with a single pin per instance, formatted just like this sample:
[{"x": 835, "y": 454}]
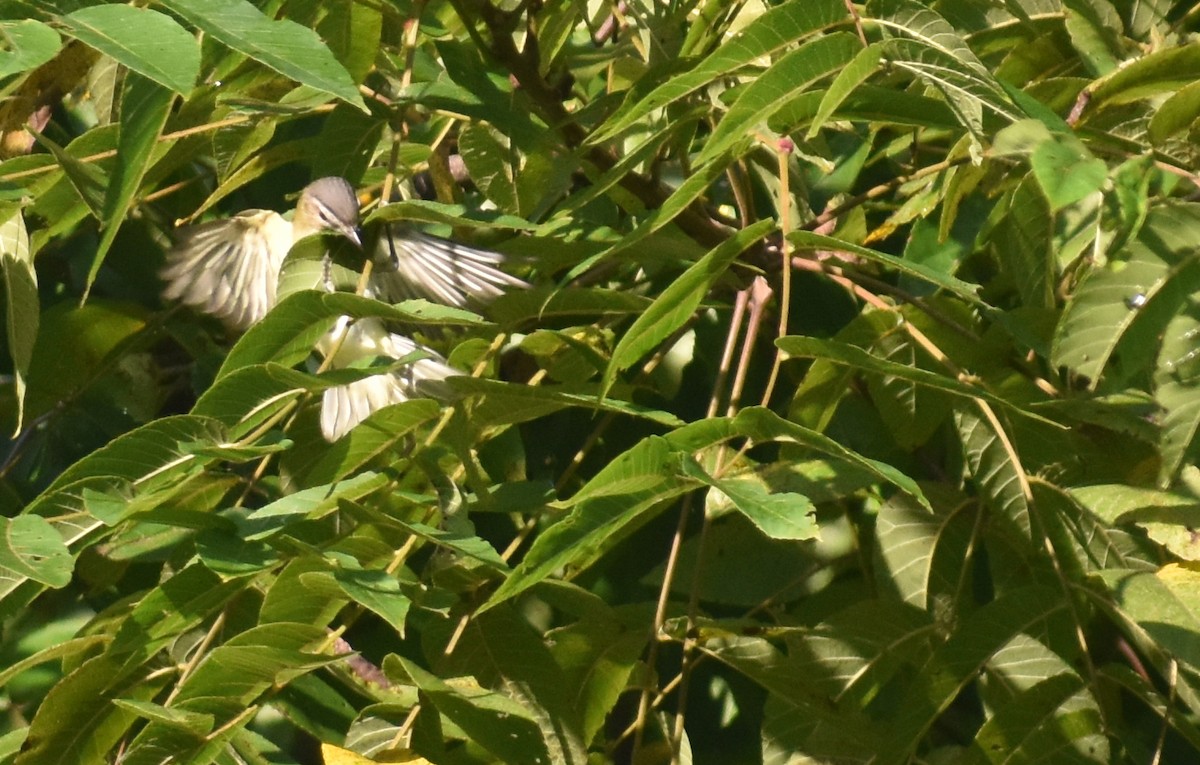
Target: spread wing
[
  {"x": 229, "y": 268},
  {"x": 345, "y": 406},
  {"x": 410, "y": 264}
]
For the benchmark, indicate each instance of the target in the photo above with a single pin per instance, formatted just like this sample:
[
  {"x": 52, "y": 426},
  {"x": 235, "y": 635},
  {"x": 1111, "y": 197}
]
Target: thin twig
[
  {"x": 783, "y": 152},
  {"x": 858, "y": 25}
]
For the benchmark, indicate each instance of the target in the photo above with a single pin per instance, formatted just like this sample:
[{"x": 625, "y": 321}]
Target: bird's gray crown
[{"x": 337, "y": 196}]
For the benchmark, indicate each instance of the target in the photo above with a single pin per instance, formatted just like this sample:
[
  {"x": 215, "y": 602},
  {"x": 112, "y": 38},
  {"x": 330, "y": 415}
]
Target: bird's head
[{"x": 327, "y": 204}]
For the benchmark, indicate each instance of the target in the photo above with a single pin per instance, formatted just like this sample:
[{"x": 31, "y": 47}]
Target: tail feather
[{"x": 345, "y": 406}]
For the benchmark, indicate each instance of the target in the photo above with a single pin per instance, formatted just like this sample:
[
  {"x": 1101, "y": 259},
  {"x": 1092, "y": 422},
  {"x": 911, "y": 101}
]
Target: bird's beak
[{"x": 351, "y": 233}]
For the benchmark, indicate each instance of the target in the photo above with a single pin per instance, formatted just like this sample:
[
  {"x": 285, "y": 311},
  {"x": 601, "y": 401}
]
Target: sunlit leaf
[{"x": 147, "y": 41}]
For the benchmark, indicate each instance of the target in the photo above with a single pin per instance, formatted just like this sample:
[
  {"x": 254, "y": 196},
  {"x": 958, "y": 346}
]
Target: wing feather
[
  {"x": 418, "y": 265},
  {"x": 229, "y": 268}
]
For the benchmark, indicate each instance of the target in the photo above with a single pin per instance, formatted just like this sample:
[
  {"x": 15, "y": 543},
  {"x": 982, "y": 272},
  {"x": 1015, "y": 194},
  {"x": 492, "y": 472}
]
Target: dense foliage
[{"x": 852, "y": 415}]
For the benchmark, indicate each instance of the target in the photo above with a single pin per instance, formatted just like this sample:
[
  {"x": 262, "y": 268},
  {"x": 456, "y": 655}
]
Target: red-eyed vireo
[{"x": 230, "y": 269}]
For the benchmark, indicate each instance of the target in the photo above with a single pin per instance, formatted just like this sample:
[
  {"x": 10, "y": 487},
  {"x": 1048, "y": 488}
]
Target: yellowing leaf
[{"x": 335, "y": 755}]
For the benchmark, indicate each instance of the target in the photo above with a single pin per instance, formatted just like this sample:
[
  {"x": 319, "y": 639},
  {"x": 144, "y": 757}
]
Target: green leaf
[
  {"x": 1044, "y": 718},
  {"x": 310, "y": 503},
  {"x": 493, "y": 164},
  {"x": 921, "y": 554},
  {"x": 849, "y": 355},
  {"x": 596, "y": 650},
  {"x": 992, "y": 462},
  {"x": 1067, "y": 172},
  {"x": 853, "y": 74},
  {"x": 926, "y": 46},
  {"x": 27, "y": 45},
  {"x": 32, "y": 549},
  {"x": 482, "y": 90},
  {"x": 794, "y": 73},
  {"x": 769, "y": 33},
  {"x": 148, "y": 42},
  {"x": 506, "y": 403},
  {"x": 1176, "y": 114},
  {"x": 225, "y": 685},
  {"x": 507, "y": 729},
  {"x": 518, "y": 654},
  {"x": 172, "y": 608},
  {"x": 463, "y": 544},
  {"x": 87, "y": 179},
  {"x": 375, "y": 590},
  {"x": 426, "y": 211},
  {"x": 1092, "y": 29},
  {"x": 382, "y": 433},
  {"x": 806, "y": 240},
  {"x": 304, "y": 591},
  {"x": 1118, "y": 503},
  {"x": 542, "y": 303},
  {"x": 764, "y": 425},
  {"x": 781, "y": 515},
  {"x": 67, "y": 650},
  {"x": 193, "y": 722},
  {"x": 1177, "y": 380},
  {"x": 799, "y": 719},
  {"x": 78, "y": 722},
  {"x": 958, "y": 661},
  {"x": 348, "y": 140},
  {"x": 619, "y": 499},
  {"x": 285, "y": 46},
  {"x": 688, "y": 192},
  {"x": 1025, "y": 244},
  {"x": 21, "y": 303},
  {"x": 225, "y": 553},
  {"x": 1164, "y": 604},
  {"x": 139, "y": 455},
  {"x": 678, "y": 302},
  {"x": 353, "y": 35},
  {"x": 292, "y": 328},
  {"x": 259, "y": 164},
  {"x": 144, "y": 110},
  {"x": 247, "y": 397},
  {"x": 1125, "y": 677},
  {"x": 1163, "y": 71},
  {"x": 1128, "y": 303}
]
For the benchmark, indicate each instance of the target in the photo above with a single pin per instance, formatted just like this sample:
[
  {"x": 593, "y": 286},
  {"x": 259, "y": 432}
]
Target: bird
[{"x": 230, "y": 268}]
